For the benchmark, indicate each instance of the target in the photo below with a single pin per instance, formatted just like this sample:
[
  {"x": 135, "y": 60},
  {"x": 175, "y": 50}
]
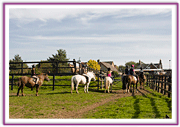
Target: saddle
[
  {"x": 87, "y": 78},
  {"x": 35, "y": 79}
]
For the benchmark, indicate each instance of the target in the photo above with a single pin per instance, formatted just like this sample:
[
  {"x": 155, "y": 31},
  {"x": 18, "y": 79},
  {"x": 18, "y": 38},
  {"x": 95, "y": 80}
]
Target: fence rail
[
  {"x": 21, "y": 72},
  {"x": 160, "y": 83}
]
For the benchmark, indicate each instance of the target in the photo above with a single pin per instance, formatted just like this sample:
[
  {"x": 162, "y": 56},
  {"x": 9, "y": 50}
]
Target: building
[
  {"x": 150, "y": 65},
  {"x": 108, "y": 64}
]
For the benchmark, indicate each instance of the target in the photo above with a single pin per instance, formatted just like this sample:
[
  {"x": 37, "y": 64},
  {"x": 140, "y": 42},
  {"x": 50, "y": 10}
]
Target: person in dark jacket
[
  {"x": 124, "y": 77},
  {"x": 131, "y": 71},
  {"x": 141, "y": 73}
]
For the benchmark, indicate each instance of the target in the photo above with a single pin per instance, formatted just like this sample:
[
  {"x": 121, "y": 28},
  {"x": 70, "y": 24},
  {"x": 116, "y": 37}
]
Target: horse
[
  {"x": 73, "y": 69},
  {"x": 107, "y": 83},
  {"x": 28, "y": 82},
  {"x": 142, "y": 79},
  {"x": 125, "y": 83},
  {"x": 81, "y": 79},
  {"x": 132, "y": 80}
]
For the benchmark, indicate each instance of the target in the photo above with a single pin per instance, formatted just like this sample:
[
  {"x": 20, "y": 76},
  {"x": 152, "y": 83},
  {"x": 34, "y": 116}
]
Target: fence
[
  {"x": 21, "y": 70},
  {"x": 160, "y": 83}
]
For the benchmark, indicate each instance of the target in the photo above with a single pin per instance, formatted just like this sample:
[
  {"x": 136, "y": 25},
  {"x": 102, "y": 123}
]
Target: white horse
[
  {"x": 107, "y": 82},
  {"x": 81, "y": 79}
]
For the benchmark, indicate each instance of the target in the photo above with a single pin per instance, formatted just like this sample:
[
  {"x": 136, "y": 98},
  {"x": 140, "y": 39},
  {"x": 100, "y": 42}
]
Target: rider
[
  {"x": 33, "y": 75},
  {"x": 141, "y": 73},
  {"x": 109, "y": 73},
  {"x": 131, "y": 71}
]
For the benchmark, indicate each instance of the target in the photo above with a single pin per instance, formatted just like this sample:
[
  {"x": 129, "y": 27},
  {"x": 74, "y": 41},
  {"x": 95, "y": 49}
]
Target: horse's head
[
  {"x": 92, "y": 75},
  {"x": 46, "y": 77}
]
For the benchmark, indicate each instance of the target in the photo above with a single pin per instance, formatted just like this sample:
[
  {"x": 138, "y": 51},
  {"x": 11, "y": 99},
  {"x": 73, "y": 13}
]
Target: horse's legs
[
  {"x": 111, "y": 88},
  {"x": 18, "y": 91},
  {"x": 22, "y": 87},
  {"x": 85, "y": 89},
  {"x": 133, "y": 90},
  {"x": 108, "y": 87},
  {"x": 136, "y": 88},
  {"x": 128, "y": 85},
  {"x": 37, "y": 89},
  {"x": 77, "y": 88}
]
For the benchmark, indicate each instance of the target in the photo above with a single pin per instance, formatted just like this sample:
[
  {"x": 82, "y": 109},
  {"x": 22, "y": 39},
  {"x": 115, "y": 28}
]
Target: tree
[
  {"x": 121, "y": 68},
  {"x": 17, "y": 58},
  {"x": 93, "y": 64},
  {"x": 132, "y": 62},
  {"x": 60, "y": 56}
]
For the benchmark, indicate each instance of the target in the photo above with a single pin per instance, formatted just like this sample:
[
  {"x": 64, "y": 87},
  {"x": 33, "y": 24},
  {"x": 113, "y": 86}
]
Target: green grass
[
  {"x": 49, "y": 102},
  {"x": 52, "y": 104},
  {"x": 150, "y": 106}
]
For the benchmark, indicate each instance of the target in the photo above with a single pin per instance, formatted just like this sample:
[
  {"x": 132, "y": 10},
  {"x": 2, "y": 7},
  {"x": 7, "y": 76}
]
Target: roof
[
  {"x": 145, "y": 66},
  {"x": 107, "y": 65}
]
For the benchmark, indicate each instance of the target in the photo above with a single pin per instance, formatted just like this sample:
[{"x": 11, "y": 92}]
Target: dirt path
[{"x": 117, "y": 94}]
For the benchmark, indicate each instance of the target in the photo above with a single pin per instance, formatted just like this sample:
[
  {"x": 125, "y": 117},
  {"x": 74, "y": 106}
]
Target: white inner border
[{"x": 94, "y": 121}]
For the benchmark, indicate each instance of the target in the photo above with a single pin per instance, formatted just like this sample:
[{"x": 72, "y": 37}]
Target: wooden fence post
[
  {"x": 165, "y": 85},
  {"x": 169, "y": 89},
  {"x": 56, "y": 67},
  {"x": 162, "y": 84},
  {"x": 22, "y": 68},
  {"x": 98, "y": 83},
  {"x": 53, "y": 80},
  {"x": 158, "y": 84},
  {"x": 12, "y": 82},
  {"x": 147, "y": 80}
]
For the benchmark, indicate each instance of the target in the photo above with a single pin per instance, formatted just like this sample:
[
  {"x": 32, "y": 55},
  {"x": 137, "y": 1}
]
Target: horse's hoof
[
  {"x": 37, "y": 95},
  {"x": 23, "y": 94}
]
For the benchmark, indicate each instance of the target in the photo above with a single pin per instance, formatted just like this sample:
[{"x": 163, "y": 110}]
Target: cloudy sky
[{"x": 116, "y": 34}]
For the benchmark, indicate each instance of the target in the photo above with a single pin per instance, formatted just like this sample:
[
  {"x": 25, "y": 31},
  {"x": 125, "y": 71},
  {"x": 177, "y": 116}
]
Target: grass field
[{"x": 60, "y": 103}]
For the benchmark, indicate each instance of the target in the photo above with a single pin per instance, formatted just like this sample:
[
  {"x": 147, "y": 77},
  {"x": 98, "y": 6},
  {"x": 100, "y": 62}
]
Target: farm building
[
  {"x": 151, "y": 65},
  {"x": 108, "y": 64}
]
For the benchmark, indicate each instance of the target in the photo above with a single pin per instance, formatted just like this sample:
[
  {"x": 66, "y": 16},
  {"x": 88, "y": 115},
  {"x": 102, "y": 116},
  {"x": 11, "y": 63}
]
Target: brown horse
[
  {"x": 132, "y": 80},
  {"x": 142, "y": 80},
  {"x": 28, "y": 81}
]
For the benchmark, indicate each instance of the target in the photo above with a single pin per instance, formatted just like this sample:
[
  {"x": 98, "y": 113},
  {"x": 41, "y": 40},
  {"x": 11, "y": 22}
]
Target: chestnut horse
[
  {"x": 142, "y": 80},
  {"x": 28, "y": 81},
  {"x": 132, "y": 80}
]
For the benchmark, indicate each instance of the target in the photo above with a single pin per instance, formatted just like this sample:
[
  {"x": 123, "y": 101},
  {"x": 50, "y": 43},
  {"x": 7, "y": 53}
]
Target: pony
[
  {"x": 81, "y": 79},
  {"x": 142, "y": 80},
  {"x": 73, "y": 69},
  {"x": 107, "y": 83},
  {"x": 28, "y": 82},
  {"x": 132, "y": 80},
  {"x": 125, "y": 83}
]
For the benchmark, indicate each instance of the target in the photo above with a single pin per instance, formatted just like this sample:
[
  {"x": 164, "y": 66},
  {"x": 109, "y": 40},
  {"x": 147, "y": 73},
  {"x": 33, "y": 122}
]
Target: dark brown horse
[
  {"x": 142, "y": 80},
  {"x": 28, "y": 81},
  {"x": 132, "y": 80}
]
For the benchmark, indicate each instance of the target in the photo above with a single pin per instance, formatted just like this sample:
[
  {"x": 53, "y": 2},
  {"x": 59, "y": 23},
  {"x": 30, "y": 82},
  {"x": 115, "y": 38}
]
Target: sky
[{"x": 109, "y": 34}]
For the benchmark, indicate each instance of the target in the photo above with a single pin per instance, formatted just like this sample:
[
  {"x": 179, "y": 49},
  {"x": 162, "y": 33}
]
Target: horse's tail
[
  {"x": 19, "y": 82},
  {"x": 106, "y": 82}
]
